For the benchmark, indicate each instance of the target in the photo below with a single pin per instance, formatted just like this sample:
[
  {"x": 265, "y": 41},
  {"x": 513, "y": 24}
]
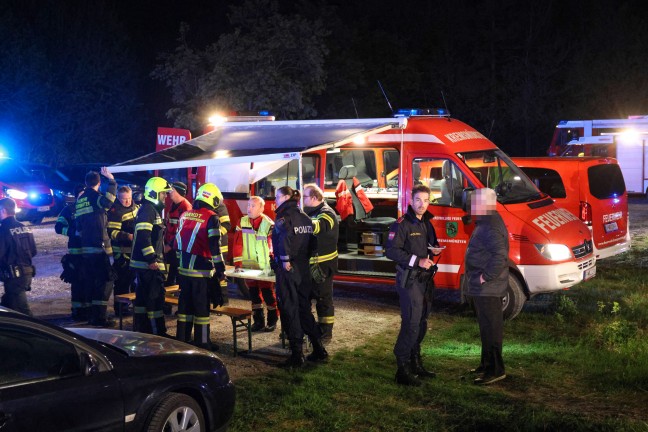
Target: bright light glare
[
  {"x": 217, "y": 120},
  {"x": 221, "y": 154},
  {"x": 554, "y": 252},
  {"x": 630, "y": 136},
  {"x": 16, "y": 194},
  {"x": 359, "y": 140}
]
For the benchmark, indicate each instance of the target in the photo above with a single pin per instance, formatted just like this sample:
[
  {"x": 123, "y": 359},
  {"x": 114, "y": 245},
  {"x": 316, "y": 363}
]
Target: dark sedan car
[{"x": 55, "y": 379}]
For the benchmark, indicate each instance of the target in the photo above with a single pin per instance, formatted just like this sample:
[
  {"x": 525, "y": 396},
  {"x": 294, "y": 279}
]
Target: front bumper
[{"x": 548, "y": 278}]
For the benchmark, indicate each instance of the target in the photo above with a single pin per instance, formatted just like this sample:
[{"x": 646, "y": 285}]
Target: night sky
[{"x": 76, "y": 75}]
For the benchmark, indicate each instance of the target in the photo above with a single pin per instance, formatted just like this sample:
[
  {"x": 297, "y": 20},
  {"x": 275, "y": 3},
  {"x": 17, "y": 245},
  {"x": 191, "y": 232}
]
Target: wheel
[
  {"x": 177, "y": 412},
  {"x": 514, "y": 299}
]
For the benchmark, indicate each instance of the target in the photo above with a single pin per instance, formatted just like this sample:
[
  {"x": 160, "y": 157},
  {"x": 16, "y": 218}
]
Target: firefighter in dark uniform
[
  {"x": 412, "y": 243},
  {"x": 72, "y": 261},
  {"x": 179, "y": 204},
  {"x": 121, "y": 227},
  {"x": 326, "y": 231},
  {"x": 91, "y": 220},
  {"x": 292, "y": 242},
  {"x": 201, "y": 267},
  {"x": 17, "y": 247},
  {"x": 147, "y": 259},
  {"x": 225, "y": 227}
]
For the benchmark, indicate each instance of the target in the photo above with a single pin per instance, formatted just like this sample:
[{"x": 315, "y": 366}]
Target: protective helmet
[
  {"x": 152, "y": 190},
  {"x": 209, "y": 194}
]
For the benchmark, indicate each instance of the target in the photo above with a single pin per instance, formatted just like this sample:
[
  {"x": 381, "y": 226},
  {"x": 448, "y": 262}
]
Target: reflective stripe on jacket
[{"x": 252, "y": 247}]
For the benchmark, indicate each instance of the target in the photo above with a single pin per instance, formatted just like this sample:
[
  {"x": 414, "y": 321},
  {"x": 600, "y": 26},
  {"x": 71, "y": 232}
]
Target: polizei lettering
[
  {"x": 19, "y": 230},
  {"x": 303, "y": 229},
  {"x": 554, "y": 219}
]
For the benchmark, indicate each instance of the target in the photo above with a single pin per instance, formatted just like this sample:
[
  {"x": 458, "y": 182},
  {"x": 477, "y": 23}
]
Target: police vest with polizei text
[{"x": 192, "y": 233}]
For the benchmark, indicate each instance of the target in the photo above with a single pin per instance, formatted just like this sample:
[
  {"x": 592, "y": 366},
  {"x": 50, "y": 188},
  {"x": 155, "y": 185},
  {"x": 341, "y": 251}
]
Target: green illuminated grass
[{"x": 580, "y": 364}]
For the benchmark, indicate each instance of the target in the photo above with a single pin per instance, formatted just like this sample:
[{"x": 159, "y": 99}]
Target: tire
[
  {"x": 514, "y": 299},
  {"x": 176, "y": 412}
]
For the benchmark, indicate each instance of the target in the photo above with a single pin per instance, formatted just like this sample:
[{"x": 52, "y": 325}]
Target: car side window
[
  {"x": 547, "y": 180},
  {"x": 28, "y": 355}
]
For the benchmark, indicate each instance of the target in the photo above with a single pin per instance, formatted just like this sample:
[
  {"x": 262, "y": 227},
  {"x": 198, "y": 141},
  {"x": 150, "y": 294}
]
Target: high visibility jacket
[
  {"x": 326, "y": 231},
  {"x": 344, "y": 204},
  {"x": 121, "y": 223},
  {"x": 148, "y": 240},
  {"x": 225, "y": 227},
  {"x": 90, "y": 214},
  {"x": 252, "y": 242},
  {"x": 198, "y": 244},
  {"x": 173, "y": 218},
  {"x": 66, "y": 225}
]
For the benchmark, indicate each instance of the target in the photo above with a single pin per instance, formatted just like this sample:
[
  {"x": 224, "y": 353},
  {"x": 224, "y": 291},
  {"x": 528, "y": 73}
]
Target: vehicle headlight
[
  {"x": 554, "y": 252},
  {"x": 16, "y": 194}
]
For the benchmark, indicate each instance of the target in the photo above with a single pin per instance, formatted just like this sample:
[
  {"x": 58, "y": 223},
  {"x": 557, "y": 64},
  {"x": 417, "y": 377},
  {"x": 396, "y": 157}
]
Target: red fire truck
[{"x": 550, "y": 249}]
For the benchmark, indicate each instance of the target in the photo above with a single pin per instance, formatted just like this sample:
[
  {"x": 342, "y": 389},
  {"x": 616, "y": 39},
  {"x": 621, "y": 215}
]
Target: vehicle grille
[
  {"x": 583, "y": 249},
  {"x": 586, "y": 264},
  {"x": 40, "y": 200}
]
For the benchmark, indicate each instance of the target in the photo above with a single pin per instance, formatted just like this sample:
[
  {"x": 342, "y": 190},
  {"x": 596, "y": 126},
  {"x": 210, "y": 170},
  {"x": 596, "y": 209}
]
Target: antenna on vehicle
[
  {"x": 355, "y": 108},
  {"x": 445, "y": 104},
  {"x": 386, "y": 98},
  {"x": 491, "y": 129}
]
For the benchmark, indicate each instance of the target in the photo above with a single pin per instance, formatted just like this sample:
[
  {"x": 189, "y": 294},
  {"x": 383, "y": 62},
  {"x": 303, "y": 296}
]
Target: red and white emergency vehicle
[
  {"x": 550, "y": 248},
  {"x": 623, "y": 139}
]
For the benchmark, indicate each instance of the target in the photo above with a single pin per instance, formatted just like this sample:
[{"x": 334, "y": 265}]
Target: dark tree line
[{"x": 72, "y": 72}]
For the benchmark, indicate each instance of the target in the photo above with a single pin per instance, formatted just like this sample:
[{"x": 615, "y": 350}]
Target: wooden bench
[
  {"x": 129, "y": 298},
  {"x": 241, "y": 320}
]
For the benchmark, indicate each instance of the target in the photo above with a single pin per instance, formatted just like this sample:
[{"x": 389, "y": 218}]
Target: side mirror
[
  {"x": 88, "y": 364},
  {"x": 465, "y": 199}
]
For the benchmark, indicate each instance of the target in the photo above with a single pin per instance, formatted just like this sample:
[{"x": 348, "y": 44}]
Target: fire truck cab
[{"x": 550, "y": 249}]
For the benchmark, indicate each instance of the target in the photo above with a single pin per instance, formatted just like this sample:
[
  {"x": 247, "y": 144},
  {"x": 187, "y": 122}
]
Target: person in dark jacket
[
  {"x": 487, "y": 274},
  {"x": 17, "y": 247},
  {"x": 412, "y": 243},
  {"x": 148, "y": 259},
  {"x": 293, "y": 246},
  {"x": 90, "y": 214},
  {"x": 73, "y": 261},
  {"x": 326, "y": 231}
]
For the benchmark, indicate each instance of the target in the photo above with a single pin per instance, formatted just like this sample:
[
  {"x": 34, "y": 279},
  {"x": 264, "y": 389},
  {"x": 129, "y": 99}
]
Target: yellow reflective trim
[
  {"x": 148, "y": 250},
  {"x": 327, "y": 217},
  {"x": 64, "y": 231},
  {"x": 201, "y": 320},
  {"x": 326, "y": 320},
  {"x": 114, "y": 225},
  {"x": 224, "y": 219},
  {"x": 322, "y": 258},
  {"x": 144, "y": 226},
  {"x": 316, "y": 227},
  {"x": 223, "y": 230}
]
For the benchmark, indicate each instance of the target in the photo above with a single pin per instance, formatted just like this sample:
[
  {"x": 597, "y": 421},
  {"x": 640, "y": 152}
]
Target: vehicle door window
[
  {"x": 547, "y": 180},
  {"x": 443, "y": 177},
  {"x": 28, "y": 355},
  {"x": 363, "y": 160},
  {"x": 606, "y": 181},
  {"x": 288, "y": 175},
  {"x": 391, "y": 161}
]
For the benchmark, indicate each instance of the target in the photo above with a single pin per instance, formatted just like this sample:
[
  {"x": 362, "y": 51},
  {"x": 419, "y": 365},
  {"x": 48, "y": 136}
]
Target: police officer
[
  {"x": 292, "y": 244},
  {"x": 17, "y": 247},
  {"x": 326, "y": 231},
  {"x": 73, "y": 261},
  {"x": 121, "y": 226},
  {"x": 411, "y": 243},
  {"x": 147, "y": 259},
  {"x": 91, "y": 220},
  {"x": 200, "y": 265},
  {"x": 179, "y": 205}
]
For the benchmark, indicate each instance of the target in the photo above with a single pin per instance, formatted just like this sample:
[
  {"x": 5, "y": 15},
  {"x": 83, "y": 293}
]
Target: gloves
[
  {"x": 317, "y": 274},
  {"x": 215, "y": 295}
]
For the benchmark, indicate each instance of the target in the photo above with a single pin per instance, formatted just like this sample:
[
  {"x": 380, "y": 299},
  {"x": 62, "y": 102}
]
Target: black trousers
[
  {"x": 171, "y": 260},
  {"x": 125, "y": 282},
  {"x": 98, "y": 286},
  {"x": 294, "y": 296},
  {"x": 491, "y": 331},
  {"x": 15, "y": 296},
  {"x": 323, "y": 294},
  {"x": 149, "y": 299},
  {"x": 414, "y": 312}
]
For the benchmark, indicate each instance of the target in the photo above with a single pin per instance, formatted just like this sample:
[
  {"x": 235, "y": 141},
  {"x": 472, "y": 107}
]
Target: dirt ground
[{"x": 359, "y": 314}]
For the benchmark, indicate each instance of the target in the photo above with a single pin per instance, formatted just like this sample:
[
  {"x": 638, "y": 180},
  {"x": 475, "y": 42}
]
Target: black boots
[
  {"x": 327, "y": 332},
  {"x": 405, "y": 376},
  {"x": 319, "y": 353},
  {"x": 417, "y": 367},
  {"x": 296, "y": 359},
  {"x": 258, "y": 319},
  {"x": 272, "y": 320}
]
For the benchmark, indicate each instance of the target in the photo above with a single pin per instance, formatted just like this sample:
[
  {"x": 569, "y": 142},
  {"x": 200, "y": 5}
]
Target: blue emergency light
[{"x": 411, "y": 112}]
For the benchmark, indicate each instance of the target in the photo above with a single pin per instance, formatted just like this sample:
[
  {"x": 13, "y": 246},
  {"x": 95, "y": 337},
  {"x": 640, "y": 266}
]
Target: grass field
[{"x": 579, "y": 363}]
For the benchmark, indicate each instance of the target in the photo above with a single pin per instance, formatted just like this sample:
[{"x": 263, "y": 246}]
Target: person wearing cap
[
  {"x": 178, "y": 205},
  {"x": 147, "y": 259}
]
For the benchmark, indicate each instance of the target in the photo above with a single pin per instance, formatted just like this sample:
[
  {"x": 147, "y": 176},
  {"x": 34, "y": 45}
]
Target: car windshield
[
  {"x": 496, "y": 171},
  {"x": 11, "y": 171}
]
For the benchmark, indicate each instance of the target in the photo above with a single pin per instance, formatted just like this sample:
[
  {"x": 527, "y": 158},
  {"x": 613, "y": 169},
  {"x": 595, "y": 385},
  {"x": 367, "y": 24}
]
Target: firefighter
[
  {"x": 17, "y": 247},
  {"x": 200, "y": 265},
  {"x": 121, "y": 226},
  {"x": 179, "y": 205},
  {"x": 411, "y": 243},
  {"x": 147, "y": 259},
  {"x": 72, "y": 261},
  {"x": 252, "y": 250},
  {"x": 292, "y": 242},
  {"x": 225, "y": 227},
  {"x": 90, "y": 215},
  {"x": 326, "y": 231}
]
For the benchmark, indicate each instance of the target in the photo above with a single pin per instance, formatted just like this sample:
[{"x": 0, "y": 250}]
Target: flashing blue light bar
[
  {"x": 264, "y": 113},
  {"x": 409, "y": 112}
]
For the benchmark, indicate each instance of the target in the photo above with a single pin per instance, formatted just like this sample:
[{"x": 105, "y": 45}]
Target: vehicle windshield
[
  {"x": 11, "y": 171},
  {"x": 496, "y": 171}
]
